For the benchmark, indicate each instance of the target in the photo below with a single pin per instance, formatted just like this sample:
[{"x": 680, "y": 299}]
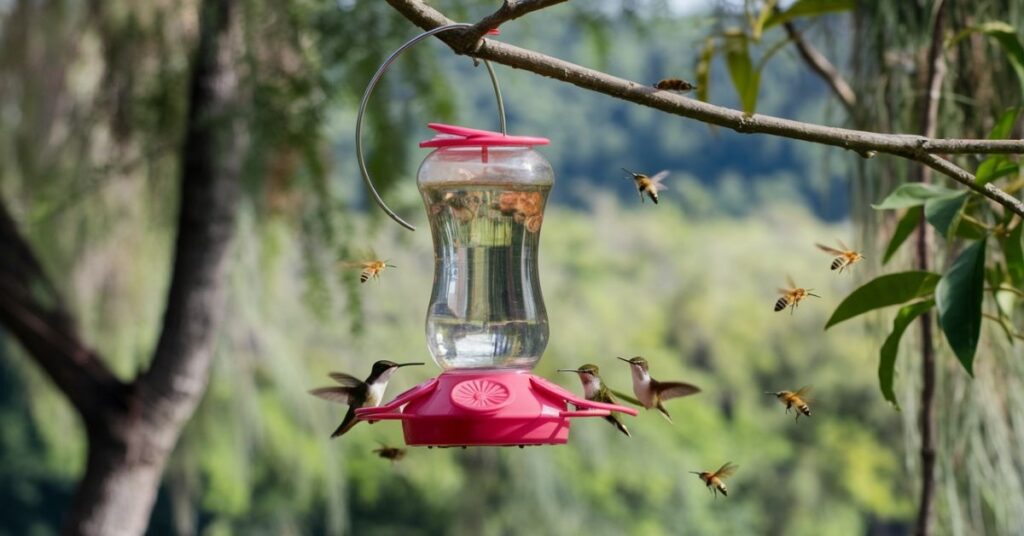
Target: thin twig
[
  {"x": 912, "y": 147},
  {"x": 824, "y": 68}
]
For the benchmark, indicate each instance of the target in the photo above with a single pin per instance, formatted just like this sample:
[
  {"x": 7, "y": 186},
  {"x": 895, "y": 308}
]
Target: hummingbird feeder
[{"x": 486, "y": 326}]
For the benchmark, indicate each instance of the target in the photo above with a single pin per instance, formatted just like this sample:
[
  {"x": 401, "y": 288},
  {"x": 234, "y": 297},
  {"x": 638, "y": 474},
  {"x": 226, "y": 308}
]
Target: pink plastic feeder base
[{"x": 481, "y": 408}]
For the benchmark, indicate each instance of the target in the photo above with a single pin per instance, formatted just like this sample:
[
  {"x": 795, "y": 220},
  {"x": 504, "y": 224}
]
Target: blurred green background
[{"x": 92, "y": 103}]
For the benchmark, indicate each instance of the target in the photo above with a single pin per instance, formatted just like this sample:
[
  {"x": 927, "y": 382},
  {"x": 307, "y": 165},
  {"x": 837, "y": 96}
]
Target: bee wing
[
  {"x": 341, "y": 395},
  {"x": 843, "y": 245},
  {"x": 828, "y": 249},
  {"x": 670, "y": 390},
  {"x": 346, "y": 380},
  {"x": 726, "y": 470},
  {"x": 789, "y": 281},
  {"x": 354, "y": 264},
  {"x": 658, "y": 177},
  {"x": 803, "y": 391},
  {"x": 785, "y": 291},
  {"x": 626, "y": 397}
]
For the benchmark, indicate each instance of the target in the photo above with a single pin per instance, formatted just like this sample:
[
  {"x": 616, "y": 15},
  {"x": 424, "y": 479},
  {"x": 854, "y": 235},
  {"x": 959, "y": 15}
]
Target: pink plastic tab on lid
[{"x": 456, "y": 136}]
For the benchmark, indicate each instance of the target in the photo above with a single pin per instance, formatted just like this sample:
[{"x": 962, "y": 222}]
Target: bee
[
  {"x": 714, "y": 480},
  {"x": 390, "y": 453},
  {"x": 796, "y": 400},
  {"x": 792, "y": 296},
  {"x": 648, "y": 185},
  {"x": 845, "y": 257},
  {"x": 370, "y": 269},
  {"x": 674, "y": 84},
  {"x": 463, "y": 206},
  {"x": 526, "y": 208}
]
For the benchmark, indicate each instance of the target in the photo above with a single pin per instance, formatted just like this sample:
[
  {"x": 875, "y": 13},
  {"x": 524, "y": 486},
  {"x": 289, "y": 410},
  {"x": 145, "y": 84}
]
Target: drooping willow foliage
[{"x": 980, "y": 429}]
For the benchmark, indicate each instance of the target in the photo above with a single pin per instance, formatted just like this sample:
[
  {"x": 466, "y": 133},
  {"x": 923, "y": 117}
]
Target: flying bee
[
  {"x": 648, "y": 185},
  {"x": 714, "y": 480},
  {"x": 370, "y": 269},
  {"x": 792, "y": 296},
  {"x": 796, "y": 400},
  {"x": 674, "y": 84},
  {"x": 844, "y": 257},
  {"x": 390, "y": 453}
]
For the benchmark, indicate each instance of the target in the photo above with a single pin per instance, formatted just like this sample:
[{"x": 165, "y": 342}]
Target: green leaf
[
  {"x": 745, "y": 78},
  {"x": 1006, "y": 36},
  {"x": 809, "y": 8},
  {"x": 997, "y": 165},
  {"x": 1013, "y": 251},
  {"x": 883, "y": 291},
  {"x": 958, "y": 297},
  {"x": 942, "y": 212},
  {"x": 1004, "y": 125},
  {"x": 887, "y": 355},
  {"x": 913, "y": 194},
  {"x": 703, "y": 70},
  {"x": 904, "y": 228},
  {"x": 758, "y": 28}
]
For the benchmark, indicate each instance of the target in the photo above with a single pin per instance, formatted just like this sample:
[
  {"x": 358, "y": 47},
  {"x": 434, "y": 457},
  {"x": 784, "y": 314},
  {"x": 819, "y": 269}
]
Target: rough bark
[
  {"x": 929, "y": 118},
  {"x": 133, "y": 427}
]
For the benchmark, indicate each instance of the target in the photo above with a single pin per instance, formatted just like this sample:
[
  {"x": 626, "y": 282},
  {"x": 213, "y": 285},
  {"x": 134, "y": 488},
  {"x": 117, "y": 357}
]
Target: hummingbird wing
[
  {"x": 626, "y": 397},
  {"x": 347, "y": 423},
  {"x": 347, "y": 380},
  {"x": 670, "y": 390},
  {"x": 341, "y": 395}
]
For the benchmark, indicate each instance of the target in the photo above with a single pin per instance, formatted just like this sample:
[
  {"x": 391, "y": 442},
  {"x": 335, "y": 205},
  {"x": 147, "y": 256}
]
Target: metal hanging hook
[{"x": 366, "y": 98}]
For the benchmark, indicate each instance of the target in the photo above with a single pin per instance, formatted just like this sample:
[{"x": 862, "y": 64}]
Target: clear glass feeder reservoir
[{"x": 486, "y": 209}]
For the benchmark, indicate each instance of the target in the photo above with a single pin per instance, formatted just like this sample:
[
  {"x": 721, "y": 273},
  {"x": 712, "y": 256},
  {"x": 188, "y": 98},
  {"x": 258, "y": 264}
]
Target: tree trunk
[
  {"x": 936, "y": 70},
  {"x": 129, "y": 443}
]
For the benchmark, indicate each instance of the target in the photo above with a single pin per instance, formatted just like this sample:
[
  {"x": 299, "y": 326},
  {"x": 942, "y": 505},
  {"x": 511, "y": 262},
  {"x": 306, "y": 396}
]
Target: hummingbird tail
[
  {"x": 346, "y": 424},
  {"x": 618, "y": 424},
  {"x": 664, "y": 412}
]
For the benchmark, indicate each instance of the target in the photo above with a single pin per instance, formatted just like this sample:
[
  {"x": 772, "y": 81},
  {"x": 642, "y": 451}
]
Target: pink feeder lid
[{"x": 456, "y": 136}]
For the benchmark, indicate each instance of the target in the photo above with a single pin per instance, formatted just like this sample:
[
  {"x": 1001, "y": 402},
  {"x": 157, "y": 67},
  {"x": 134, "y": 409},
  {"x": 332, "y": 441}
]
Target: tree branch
[
  {"x": 820, "y": 64},
  {"x": 510, "y": 10},
  {"x": 33, "y": 312},
  {"x": 863, "y": 142},
  {"x": 215, "y": 146}
]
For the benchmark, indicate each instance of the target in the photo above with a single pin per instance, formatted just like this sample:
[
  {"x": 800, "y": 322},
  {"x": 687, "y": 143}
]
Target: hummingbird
[
  {"x": 358, "y": 393},
  {"x": 594, "y": 389},
  {"x": 714, "y": 480},
  {"x": 650, "y": 392},
  {"x": 394, "y": 454},
  {"x": 648, "y": 185}
]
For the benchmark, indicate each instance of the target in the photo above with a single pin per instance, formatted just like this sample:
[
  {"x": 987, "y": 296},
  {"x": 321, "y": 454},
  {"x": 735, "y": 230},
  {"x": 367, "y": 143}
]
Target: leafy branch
[{"x": 921, "y": 149}]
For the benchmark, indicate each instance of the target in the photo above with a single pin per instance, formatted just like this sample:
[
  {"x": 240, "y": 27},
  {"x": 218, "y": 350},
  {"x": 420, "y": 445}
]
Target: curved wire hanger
[{"x": 366, "y": 98}]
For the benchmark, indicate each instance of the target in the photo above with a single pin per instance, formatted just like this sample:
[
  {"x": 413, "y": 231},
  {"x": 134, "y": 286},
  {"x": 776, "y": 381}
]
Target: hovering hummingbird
[
  {"x": 357, "y": 393},
  {"x": 594, "y": 389},
  {"x": 650, "y": 392},
  {"x": 648, "y": 185},
  {"x": 714, "y": 480}
]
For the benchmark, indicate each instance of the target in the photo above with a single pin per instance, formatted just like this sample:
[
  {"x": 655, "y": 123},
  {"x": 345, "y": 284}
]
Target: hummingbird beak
[
  {"x": 694, "y": 472},
  {"x": 567, "y": 370},
  {"x": 400, "y": 365},
  {"x": 624, "y": 359}
]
